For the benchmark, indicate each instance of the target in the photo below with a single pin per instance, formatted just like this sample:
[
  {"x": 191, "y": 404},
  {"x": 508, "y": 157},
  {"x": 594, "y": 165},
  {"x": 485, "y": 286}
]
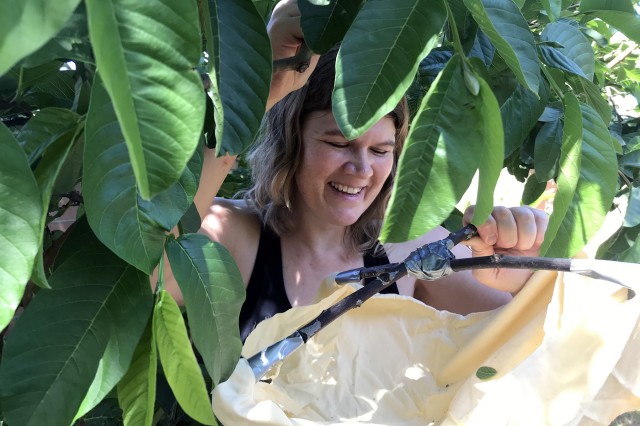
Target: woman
[{"x": 317, "y": 202}]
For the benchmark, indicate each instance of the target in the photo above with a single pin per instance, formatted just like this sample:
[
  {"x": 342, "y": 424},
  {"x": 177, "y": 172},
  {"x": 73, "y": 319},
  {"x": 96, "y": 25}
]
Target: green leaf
[
  {"x": 568, "y": 175},
  {"x": 520, "y": 113},
  {"x": 324, "y": 25},
  {"x": 507, "y": 29},
  {"x": 71, "y": 42},
  {"x": 46, "y": 126},
  {"x": 242, "y": 70},
  {"x": 438, "y": 160},
  {"x": 149, "y": 75},
  {"x": 130, "y": 226},
  {"x": 594, "y": 189},
  {"x": 533, "y": 189},
  {"x": 137, "y": 389},
  {"x": 553, "y": 8},
  {"x": 52, "y": 354},
  {"x": 375, "y": 68},
  {"x": 592, "y": 95},
  {"x": 485, "y": 373},
  {"x": 27, "y": 25},
  {"x": 20, "y": 218},
  {"x": 547, "y": 150},
  {"x": 179, "y": 362},
  {"x": 620, "y": 14},
  {"x": 632, "y": 215},
  {"x": 575, "y": 46},
  {"x": 213, "y": 291},
  {"x": 492, "y": 142},
  {"x": 127, "y": 329},
  {"x": 46, "y": 174}
]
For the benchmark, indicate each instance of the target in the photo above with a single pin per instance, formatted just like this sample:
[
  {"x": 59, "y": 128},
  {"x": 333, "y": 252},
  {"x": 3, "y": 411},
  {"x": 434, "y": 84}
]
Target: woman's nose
[{"x": 360, "y": 164}]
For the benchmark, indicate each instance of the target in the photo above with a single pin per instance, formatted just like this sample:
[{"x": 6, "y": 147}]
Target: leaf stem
[{"x": 553, "y": 83}]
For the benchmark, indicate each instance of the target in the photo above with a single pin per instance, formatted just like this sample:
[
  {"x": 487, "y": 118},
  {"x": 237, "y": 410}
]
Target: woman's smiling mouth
[{"x": 346, "y": 189}]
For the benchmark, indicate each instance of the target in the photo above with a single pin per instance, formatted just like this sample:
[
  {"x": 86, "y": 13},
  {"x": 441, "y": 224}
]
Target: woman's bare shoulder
[{"x": 236, "y": 226}]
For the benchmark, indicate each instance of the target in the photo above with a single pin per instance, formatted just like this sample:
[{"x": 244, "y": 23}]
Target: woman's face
[{"x": 339, "y": 179}]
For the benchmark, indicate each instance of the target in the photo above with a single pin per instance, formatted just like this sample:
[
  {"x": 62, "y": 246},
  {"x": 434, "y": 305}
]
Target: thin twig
[{"x": 623, "y": 55}]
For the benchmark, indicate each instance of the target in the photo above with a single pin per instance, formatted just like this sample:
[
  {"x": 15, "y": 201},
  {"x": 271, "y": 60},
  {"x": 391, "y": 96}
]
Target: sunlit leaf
[
  {"x": 149, "y": 75},
  {"x": 20, "y": 218},
  {"x": 325, "y": 25},
  {"x": 592, "y": 95},
  {"x": 438, "y": 160},
  {"x": 27, "y": 25},
  {"x": 130, "y": 226},
  {"x": 568, "y": 175},
  {"x": 178, "y": 360},
  {"x": 213, "y": 291},
  {"x": 582, "y": 215},
  {"x": 52, "y": 355},
  {"x": 375, "y": 68},
  {"x": 509, "y": 32},
  {"x": 137, "y": 389},
  {"x": 491, "y": 141},
  {"x": 241, "y": 60},
  {"x": 576, "y": 47}
]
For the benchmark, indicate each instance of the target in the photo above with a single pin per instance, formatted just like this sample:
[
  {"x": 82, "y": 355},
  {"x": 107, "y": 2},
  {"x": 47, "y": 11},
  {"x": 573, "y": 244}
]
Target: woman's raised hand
[
  {"x": 516, "y": 231},
  {"x": 286, "y": 37}
]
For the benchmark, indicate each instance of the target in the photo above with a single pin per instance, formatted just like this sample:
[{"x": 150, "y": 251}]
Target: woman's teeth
[{"x": 347, "y": 189}]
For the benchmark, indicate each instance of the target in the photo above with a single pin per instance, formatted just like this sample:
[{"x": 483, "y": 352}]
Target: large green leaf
[
  {"x": 375, "y": 68},
  {"x": 617, "y": 13},
  {"x": 547, "y": 150},
  {"x": 568, "y": 175},
  {"x": 576, "y": 47},
  {"x": 46, "y": 174},
  {"x": 20, "y": 217},
  {"x": 594, "y": 190},
  {"x": 213, "y": 291},
  {"x": 178, "y": 360},
  {"x": 128, "y": 326},
  {"x": 324, "y": 25},
  {"x": 241, "y": 56},
  {"x": 146, "y": 53},
  {"x": 520, "y": 113},
  {"x": 53, "y": 352},
  {"x": 508, "y": 30},
  {"x": 137, "y": 389},
  {"x": 130, "y": 226},
  {"x": 492, "y": 142},
  {"x": 439, "y": 159},
  {"x": 26, "y": 25}
]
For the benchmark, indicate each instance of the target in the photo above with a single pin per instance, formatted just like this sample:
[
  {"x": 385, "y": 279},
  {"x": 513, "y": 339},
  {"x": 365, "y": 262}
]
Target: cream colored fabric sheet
[{"x": 566, "y": 352}]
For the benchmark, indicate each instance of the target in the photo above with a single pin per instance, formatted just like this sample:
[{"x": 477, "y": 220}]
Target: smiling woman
[{"x": 317, "y": 202}]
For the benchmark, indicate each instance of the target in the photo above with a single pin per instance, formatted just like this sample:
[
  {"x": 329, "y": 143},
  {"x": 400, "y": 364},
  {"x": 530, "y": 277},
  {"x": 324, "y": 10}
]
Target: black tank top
[{"x": 266, "y": 295}]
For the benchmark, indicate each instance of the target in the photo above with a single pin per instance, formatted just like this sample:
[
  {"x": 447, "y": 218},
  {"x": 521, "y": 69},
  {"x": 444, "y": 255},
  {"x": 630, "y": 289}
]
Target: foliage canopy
[{"x": 103, "y": 108}]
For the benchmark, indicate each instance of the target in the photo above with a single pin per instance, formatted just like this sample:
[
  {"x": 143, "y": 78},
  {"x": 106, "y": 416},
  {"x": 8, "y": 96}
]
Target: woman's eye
[
  {"x": 338, "y": 144},
  {"x": 381, "y": 152}
]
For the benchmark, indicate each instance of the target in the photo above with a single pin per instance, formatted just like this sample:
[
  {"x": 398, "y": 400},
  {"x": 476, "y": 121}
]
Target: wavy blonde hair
[{"x": 277, "y": 154}]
